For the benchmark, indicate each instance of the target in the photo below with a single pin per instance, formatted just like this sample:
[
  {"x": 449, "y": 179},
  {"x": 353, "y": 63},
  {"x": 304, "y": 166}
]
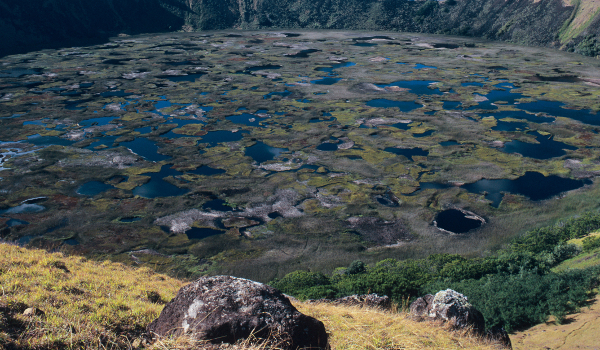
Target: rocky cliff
[{"x": 568, "y": 24}]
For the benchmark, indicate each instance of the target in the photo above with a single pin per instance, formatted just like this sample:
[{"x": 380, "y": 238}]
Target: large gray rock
[
  {"x": 225, "y": 309},
  {"x": 454, "y": 308},
  {"x": 449, "y": 306}
]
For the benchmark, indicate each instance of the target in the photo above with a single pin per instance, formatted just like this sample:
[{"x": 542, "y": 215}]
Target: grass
[
  {"x": 354, "y": 328},
  {"x": 86, "y": 304},
  {"x": 583, "y": 260}
]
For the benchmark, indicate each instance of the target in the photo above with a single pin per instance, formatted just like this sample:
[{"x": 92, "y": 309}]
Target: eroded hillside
[{"x": 568, "y": 24}]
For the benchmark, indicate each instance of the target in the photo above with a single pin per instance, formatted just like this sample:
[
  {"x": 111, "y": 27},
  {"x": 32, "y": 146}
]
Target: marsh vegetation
[{"x": 263, "y": 152}]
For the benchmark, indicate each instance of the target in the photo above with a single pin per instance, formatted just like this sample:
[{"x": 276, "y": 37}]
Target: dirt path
[{"x": 580, "y": 331}]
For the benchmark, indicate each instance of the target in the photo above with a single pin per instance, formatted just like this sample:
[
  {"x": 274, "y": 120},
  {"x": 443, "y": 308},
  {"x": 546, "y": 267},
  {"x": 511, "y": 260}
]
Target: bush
[
  {"x": 589, "y": 46},
  {"x": 299, "y": 281},
  {"x": 591, "y": 243},
  {"x": 427, "y": 8},
  {"x": 525, "y": 299},
  {"x": 355, "y": 267}
]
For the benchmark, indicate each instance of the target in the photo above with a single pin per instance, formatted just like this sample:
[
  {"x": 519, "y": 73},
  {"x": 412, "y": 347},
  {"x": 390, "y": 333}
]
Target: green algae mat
[{"x": 258, "y": 153}]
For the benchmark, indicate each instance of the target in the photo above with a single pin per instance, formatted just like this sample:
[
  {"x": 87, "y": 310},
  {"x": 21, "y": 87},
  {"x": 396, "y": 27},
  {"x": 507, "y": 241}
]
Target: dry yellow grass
[
  {"x": 355, "y": 328},
  {"x": 85, "y": 304},
  {"x": 105, "y": 305},
  {"x": 579, "y": 331}
]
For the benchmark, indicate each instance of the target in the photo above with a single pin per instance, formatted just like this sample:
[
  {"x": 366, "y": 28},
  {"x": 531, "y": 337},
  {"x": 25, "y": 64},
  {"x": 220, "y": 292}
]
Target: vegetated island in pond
[{"x": 257, "y": 153}]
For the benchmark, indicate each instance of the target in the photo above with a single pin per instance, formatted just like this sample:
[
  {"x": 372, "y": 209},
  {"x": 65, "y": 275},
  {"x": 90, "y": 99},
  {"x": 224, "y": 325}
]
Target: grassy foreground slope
[{"x": 103, "y": 305}]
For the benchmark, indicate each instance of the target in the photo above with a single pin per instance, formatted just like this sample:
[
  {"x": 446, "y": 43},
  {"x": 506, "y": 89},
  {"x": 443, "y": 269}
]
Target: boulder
[
  {"x": 420, "y": 307},
  {"x": 454, "y": 308},
  {"x": 500, "y": 336},
  {"x": 225, "y": 309},
  {"x": 451, "y": 307}
]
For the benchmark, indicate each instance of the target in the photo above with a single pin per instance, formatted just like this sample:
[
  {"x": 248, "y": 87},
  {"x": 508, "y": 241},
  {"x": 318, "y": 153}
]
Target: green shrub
[
  {"x": 589, "y": 46},
  {"x": 525, "y": 299},
  {"x": 355, "y": 267},
  {"x": 591, "y": 243},
  {"x": 427, "y": 8},
  {"x": 298, "y": 281}
]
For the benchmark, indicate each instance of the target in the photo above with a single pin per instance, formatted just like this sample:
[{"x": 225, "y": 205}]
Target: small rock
[
  {"x": 500, "y": 336},
  {"x": 32, "y": 311}
]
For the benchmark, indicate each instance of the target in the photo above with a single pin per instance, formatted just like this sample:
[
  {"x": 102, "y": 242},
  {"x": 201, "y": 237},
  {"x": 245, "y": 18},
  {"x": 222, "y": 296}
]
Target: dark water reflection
[
  {"x": 546, "y": 148},
  {"x": 456, "y": 221},
  {"x": 158, "y": 187},
  {"x": 533, "y": 185}
]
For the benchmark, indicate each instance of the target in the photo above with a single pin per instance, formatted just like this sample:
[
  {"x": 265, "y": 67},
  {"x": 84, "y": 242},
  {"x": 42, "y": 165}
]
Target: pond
[
  {"x": 24, "y": 208},
  {"x": 325, "y": 81},
  {"x": 407, "y": 152},
  {"x": 533, "y": 185},
  {"x": 158, "y": 187},
  {"x": 93, "y": 188},
  {"x": 146, "y": 149},
  {"x": 262, "y": 152},
  {"x": 333, "y": 67},
  {"x": 205, "y": 170},
  {"x": 202, "y": 232},
  {"x": 419, "y": 87},
  {"x": 302, "y": 54},
  {"x": 180, "y": 78},
  {"x": 246, "y": 119},
  {"x": 557, "y": 109},
  {"x": 546, "y": 147},
  {"x": 215, "y": 137},
  {"x": 48, "y": 140},
  {"x": 217, "y": 205},
  {"x": 456, "y": 221}
]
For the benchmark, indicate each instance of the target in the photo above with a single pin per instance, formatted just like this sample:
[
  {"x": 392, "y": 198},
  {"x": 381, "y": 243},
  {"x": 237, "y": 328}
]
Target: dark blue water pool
[
  {"x": 157, "y": 187},
  {"x": 556, "y": 109},
  {"x": 533, "y": 185},
  {"x": 262, "y": 152},
  {"x": 407, "y": 152},
  {"x": 145, "y": 148},
  {"x": 456, "y": 221},
  {"x": 246, "y": 119},
  {"x": 93, "y": 188},
  {"x": 404, "y": 106},
  {"x": 277, "y": 93},
  {"x": 546, "y": 148},
  {"x": 215, "y": 137},
  {"x": 325, "y": 81},
  {"x": 207, "y": 171},
  {"x": 217, "y": 205}
]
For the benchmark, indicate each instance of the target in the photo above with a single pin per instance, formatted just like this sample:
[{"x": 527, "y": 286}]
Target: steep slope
[
  {"x": 76, "y": 303},
  {"x": 30, "y": 25}
]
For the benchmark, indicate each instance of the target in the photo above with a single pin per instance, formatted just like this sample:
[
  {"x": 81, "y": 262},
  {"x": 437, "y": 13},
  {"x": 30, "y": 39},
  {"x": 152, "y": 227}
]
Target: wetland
[{"x": 265, "y": 152}]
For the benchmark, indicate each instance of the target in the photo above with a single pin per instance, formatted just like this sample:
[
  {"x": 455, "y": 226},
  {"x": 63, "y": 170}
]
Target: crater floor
[{"x": 258, "y": 153}]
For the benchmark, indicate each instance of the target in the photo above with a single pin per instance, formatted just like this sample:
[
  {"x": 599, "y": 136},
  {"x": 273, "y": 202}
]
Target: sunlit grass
[
  {"x": 104, "y": 305},
  {"x": 84, "y": 303}
]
